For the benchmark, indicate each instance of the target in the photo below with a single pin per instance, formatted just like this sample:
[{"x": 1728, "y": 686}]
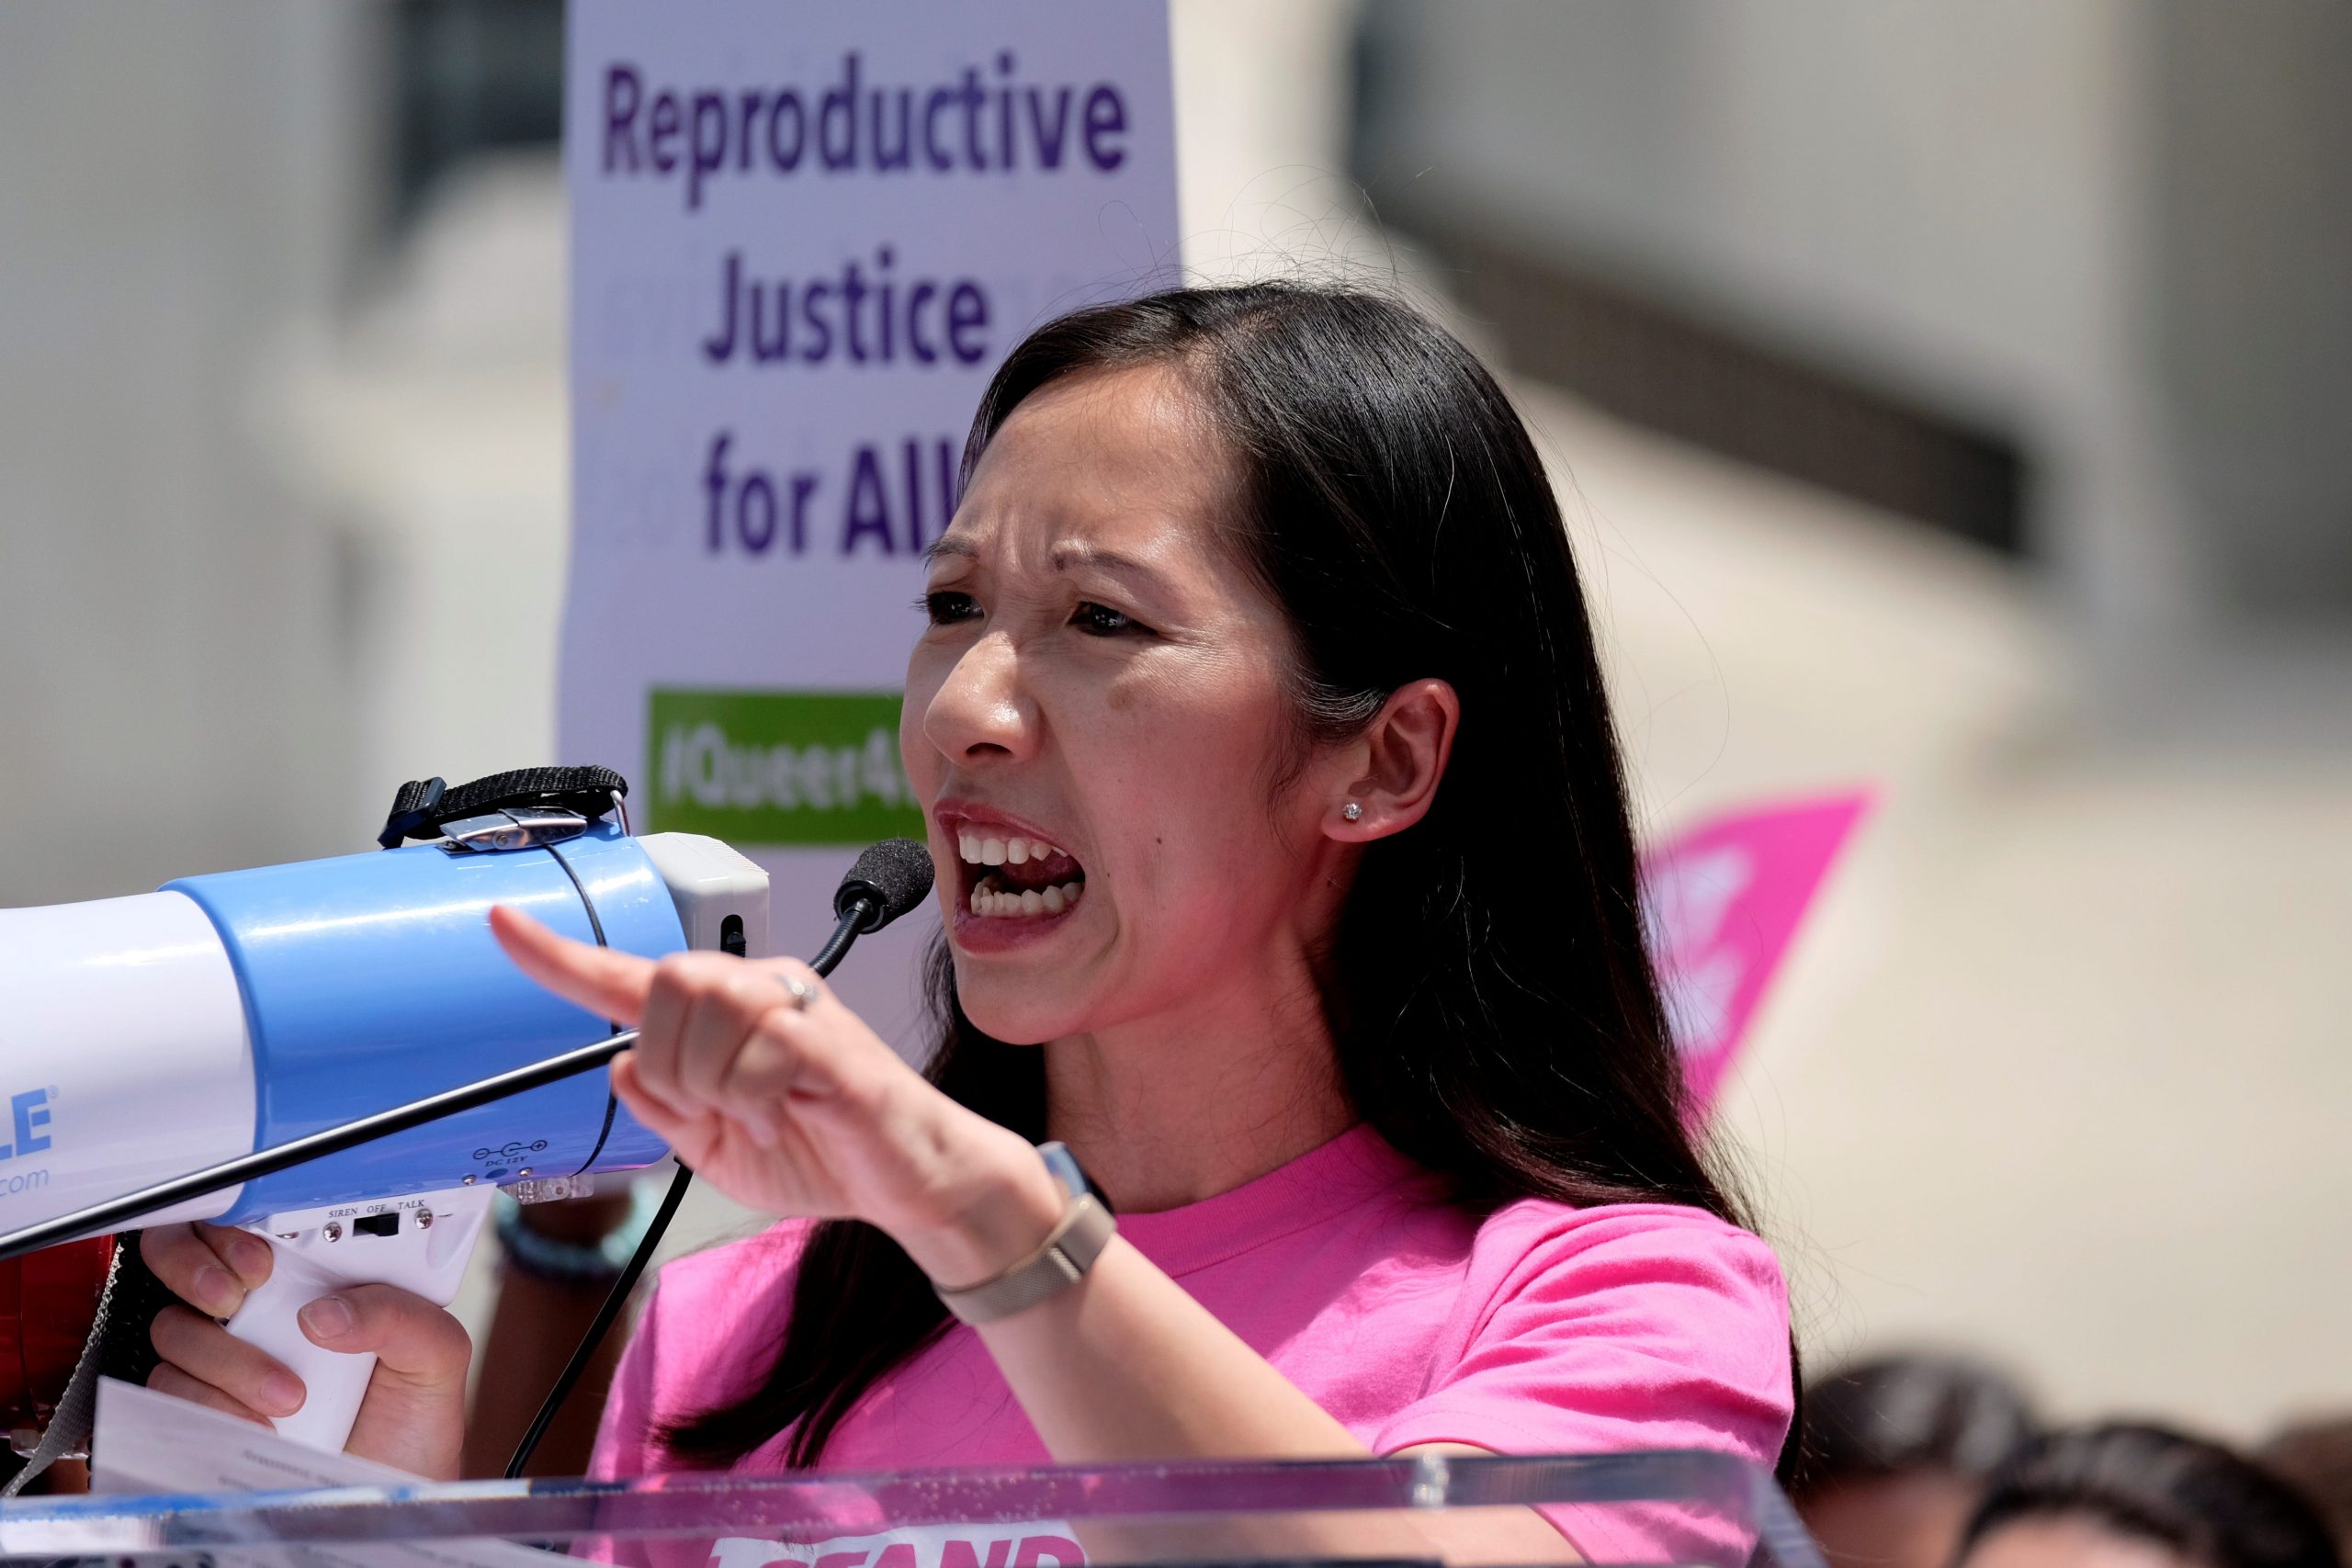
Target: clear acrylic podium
[{"x": 1684, "y": 1508}]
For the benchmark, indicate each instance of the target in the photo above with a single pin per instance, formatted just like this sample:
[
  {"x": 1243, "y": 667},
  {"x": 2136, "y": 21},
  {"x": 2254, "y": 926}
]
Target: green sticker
[{"x": 777, "y": 767}]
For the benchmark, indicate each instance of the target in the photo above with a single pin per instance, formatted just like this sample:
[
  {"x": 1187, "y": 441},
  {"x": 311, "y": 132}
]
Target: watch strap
[{"x": 1086, "y": 1228}]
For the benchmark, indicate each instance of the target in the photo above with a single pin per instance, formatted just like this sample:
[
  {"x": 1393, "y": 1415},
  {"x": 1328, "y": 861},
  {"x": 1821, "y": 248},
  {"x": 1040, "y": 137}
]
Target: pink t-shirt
[{"x": 1539, "y": 1328}]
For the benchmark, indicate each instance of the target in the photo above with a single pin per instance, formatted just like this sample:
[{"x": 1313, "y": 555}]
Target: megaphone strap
[
  {"x": 119, "y": 1346},
  {"x": 420, "y": 807}
]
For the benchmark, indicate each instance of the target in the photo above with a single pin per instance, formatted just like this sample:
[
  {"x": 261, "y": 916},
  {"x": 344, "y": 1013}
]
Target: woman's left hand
[{"x": 798, "y": 1110}]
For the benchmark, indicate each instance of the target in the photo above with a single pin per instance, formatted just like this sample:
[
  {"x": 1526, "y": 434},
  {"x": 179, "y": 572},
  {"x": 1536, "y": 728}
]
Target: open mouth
[{"x": 1009, "y": 877}]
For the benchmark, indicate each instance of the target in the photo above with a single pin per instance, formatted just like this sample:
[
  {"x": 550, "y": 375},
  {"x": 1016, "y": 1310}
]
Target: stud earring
[{"x": 1352, "y": 811}]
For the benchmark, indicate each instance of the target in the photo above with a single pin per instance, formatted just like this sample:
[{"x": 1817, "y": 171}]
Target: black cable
[
  {"x": 836, "y": 946},
  {"x": 615, "y": 1298},
  {"x": 853, "y": 923}
]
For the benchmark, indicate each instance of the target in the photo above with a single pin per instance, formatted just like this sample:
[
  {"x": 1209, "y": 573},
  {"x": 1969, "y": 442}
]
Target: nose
[{"x": 981, "y": 711}]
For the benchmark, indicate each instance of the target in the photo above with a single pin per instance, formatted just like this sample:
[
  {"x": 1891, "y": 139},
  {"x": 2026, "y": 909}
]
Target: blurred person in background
[
  {"x": 2316, "y": 1458},
  {"x": 1898, "y": 1452},
  {"x": 2127, "y": 1495}
]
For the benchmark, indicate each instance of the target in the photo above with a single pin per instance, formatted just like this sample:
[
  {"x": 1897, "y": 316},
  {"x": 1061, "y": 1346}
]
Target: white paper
[{"x": 150, "y": 1444}]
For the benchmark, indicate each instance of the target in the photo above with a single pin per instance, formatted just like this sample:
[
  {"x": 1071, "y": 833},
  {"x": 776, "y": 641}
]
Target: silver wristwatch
[{"x": 1085, "y": 1229}]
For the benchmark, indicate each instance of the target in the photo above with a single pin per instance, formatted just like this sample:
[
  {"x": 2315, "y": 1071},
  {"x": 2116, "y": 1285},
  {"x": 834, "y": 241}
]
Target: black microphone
[{"x": 888, "y": 879}]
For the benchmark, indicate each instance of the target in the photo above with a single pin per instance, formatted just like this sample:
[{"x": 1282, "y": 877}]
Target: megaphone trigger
[{"x": 421, "y": 1243}]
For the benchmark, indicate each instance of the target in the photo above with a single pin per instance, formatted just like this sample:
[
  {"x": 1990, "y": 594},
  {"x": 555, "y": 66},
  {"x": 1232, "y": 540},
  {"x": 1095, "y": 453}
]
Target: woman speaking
[{"x": 1288, "y": 889}]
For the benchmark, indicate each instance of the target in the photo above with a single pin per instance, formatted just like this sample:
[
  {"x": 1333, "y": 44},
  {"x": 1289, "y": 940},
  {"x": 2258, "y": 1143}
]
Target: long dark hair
[{"x": 1494, "y": 1008}]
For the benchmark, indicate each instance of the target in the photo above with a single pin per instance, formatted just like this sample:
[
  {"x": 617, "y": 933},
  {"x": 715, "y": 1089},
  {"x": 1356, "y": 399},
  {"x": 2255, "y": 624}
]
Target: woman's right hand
[
  {"x": 413, "y": 1414},
  {"x": 774, "y": 1092}
]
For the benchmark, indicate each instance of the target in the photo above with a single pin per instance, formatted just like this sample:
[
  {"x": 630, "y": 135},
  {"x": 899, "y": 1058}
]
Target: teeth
[
  {"x": 995, "y": 901},
  {"x": 978, "y": 850}
]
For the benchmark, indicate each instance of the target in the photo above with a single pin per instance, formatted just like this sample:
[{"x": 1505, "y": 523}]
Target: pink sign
[{"x": 1721, "y": 903}]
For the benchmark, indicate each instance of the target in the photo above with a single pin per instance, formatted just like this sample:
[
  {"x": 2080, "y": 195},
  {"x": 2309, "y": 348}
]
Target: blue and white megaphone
[{"x": 146, "y": 1037}]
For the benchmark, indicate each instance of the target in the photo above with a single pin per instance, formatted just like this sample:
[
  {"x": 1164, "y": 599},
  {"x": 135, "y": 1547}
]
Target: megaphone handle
[{"x": 318, "y": 1251}]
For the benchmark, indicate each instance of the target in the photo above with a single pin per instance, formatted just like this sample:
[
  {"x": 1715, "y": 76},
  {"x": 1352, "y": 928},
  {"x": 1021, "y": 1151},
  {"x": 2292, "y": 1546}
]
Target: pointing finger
[{"x": 609, "y": 984}]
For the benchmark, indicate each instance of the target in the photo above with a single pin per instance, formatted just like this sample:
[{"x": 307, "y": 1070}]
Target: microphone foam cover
[{"x": 895, "y": 873}]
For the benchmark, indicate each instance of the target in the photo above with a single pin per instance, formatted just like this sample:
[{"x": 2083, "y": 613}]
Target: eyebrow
[
  {"x": 1066, "y": 556},
  {"x": 1063, "y": 557}
]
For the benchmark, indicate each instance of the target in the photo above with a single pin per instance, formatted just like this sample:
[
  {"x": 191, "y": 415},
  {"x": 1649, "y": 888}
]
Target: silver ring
[{"x": 803, "y": 993}]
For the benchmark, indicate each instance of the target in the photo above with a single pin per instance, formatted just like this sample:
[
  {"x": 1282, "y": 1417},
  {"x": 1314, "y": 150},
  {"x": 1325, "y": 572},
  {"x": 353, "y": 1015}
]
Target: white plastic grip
[{"x": 315, "y": 1252}]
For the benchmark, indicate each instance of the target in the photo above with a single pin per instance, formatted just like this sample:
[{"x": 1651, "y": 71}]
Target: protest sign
[{"x": 803, "y": 237}]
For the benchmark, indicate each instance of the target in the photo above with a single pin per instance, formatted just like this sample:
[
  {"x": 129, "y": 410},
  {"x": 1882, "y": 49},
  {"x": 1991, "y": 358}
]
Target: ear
[{"x": 1402, "y": 755}]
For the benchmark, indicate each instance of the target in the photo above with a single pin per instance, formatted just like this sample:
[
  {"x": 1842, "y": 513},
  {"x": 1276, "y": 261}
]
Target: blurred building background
[{"x": 1948, "y": 395}]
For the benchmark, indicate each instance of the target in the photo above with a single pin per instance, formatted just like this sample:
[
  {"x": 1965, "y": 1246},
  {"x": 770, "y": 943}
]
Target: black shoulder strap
[{"x": 422, "y": 806}]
